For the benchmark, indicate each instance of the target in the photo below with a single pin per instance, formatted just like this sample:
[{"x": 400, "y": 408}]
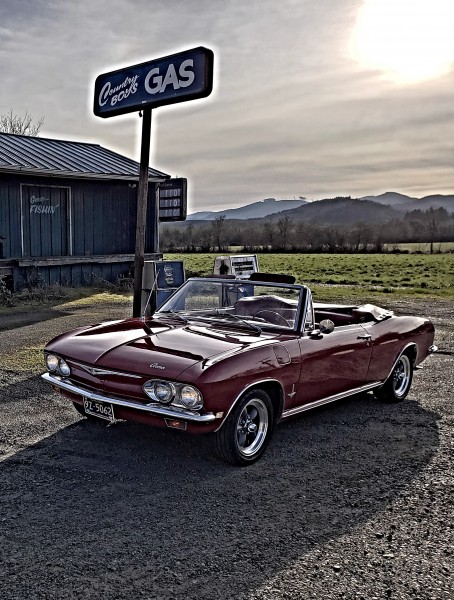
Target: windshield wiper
[
  {"x": 208, "y": 315},
  {"x": 173, "y": 314},
  {"x": 238, "y": 318}
]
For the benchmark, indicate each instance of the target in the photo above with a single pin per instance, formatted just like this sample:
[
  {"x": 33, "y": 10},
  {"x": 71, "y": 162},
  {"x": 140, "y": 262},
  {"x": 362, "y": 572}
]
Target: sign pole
[
  {"x": 142, "y": 197},
  {"x": 179, "y": 77}
]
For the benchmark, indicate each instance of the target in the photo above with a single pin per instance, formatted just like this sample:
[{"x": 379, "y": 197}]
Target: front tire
[
  {"x": 398, "y": 384},
  {"x": 247, "y": 431},
  {"x": 80, "y": 409}
]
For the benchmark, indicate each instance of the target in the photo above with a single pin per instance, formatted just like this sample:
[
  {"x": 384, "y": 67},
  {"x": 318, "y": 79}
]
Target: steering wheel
[{"x": 272, "y": 317}]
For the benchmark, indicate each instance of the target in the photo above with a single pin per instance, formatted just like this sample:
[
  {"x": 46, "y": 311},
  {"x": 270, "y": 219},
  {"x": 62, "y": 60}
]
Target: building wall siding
[{"x": 100, "y": 220}]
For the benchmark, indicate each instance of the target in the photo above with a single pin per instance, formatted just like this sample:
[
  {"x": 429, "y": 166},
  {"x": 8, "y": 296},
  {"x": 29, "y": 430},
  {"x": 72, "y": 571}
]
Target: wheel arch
[
  {"x": 272, "y": 387},
  {"x": 411, "y": 350}
]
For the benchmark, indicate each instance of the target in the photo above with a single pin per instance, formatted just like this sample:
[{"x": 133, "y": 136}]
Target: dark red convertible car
[{"x": 233, "y": 357}]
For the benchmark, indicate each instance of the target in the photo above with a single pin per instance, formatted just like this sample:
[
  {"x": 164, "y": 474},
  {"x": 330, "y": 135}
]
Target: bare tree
[
  {"x": 218, "y": 229},
  {"x": 283, "y": 226},
  {"x": 432, "y": 226},
  {"x": 269, "y": 233},
  {"x": 20, "y": 125}
]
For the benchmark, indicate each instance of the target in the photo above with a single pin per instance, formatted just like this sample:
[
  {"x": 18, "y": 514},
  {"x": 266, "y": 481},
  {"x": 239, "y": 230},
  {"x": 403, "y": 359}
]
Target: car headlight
[
  {"x": 160, "y": 391},
  {"x": 55, "y": 364},
  {"x": 191, "y": 398},
  {"x": 52, "y": 362},
  {"x": 180, "y": 395},
  {"x": 64, "y": 368}
]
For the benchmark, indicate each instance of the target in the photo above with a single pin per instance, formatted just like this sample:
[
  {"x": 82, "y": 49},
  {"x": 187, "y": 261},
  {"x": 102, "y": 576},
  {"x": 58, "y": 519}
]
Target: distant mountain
[
  {"x": 256, "y": 210},
  {"x": 340, "y": 211},
  {"x": 435, "y": 201},
  {"x": 405, "y": 203},
  {"x": 393, "y": 199},
  {"x": 202, "y": 216}
]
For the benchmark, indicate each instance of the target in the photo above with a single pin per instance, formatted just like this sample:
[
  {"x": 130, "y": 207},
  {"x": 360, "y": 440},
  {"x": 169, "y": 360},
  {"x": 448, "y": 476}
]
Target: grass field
[
  {"x": 332, "y": 278},
  {"x": 335, "y": 275}
]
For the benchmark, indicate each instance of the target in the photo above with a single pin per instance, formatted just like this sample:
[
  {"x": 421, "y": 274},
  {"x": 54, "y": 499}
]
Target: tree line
[{"x": 285, "y": 235}]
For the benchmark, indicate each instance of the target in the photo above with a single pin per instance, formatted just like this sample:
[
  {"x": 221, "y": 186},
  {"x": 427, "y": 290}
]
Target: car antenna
[{"x": 153, "y": 287}]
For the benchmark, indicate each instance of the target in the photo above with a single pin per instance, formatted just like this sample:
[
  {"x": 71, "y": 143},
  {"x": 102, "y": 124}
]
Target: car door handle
[{"x": 364, "y": 336}]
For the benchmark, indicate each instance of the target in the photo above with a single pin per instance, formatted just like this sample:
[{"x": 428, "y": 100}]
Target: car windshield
[{"x": 243, "y": 303}]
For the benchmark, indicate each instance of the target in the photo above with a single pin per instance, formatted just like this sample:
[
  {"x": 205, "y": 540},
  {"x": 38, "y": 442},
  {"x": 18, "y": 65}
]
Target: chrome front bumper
[{"x": 153, "y": 408}]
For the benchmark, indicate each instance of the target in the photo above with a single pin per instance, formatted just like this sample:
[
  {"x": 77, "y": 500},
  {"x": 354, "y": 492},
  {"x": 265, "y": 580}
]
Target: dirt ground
[{"x": 351, "y": 501}]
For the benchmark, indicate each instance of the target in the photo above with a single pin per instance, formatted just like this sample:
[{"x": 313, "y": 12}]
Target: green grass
[
  {"x": 26, "y": 359},
  {"x": 67, "y": 298},
  {"x": 331, "y": 276},
  {"x": 99, "y": 298}
]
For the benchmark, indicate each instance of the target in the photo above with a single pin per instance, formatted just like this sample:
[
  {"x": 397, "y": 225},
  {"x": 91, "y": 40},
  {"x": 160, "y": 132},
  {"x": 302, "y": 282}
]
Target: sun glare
[{"x": 407, "y": 40}]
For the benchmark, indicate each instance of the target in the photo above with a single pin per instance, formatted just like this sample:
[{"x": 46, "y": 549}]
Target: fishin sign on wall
[
  {"x": 42, "y": 206},
  {"x": 184, "y": 76}
]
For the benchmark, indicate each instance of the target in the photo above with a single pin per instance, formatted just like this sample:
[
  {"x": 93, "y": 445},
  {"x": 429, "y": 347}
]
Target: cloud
[{"x": 291, "y": 113}]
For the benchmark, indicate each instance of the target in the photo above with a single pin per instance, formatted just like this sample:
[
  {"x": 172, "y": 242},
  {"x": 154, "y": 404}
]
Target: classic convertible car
[{"x": 233, "y": 358}]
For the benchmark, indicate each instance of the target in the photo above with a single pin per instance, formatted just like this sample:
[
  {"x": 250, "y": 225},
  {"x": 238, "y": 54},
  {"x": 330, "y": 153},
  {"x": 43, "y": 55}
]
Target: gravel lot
[{"x": 350, "y": 501}]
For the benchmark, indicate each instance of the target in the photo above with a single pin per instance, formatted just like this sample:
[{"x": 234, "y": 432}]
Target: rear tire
[
  {"x": 398, "y": 384},
  {"x": 247, "y": 431}
]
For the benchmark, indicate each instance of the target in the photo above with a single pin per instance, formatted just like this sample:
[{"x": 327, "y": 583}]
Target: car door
[{"x": 333, "y": 363}]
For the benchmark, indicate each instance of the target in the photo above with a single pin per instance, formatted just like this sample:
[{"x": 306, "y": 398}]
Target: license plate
[{"x": 102, "y": 410}]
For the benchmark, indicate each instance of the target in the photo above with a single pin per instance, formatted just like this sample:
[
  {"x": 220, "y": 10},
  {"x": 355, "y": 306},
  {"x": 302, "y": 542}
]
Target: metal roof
[{"x": 41, "y": 156}]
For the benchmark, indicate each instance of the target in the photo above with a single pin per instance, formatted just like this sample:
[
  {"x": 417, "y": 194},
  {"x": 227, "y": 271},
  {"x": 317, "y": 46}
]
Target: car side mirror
[{"x": 326, "y": 326}]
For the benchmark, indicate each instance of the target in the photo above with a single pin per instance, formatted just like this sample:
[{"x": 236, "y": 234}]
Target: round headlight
[
  {"x": 191, "y": 398},
  {"x": 160, "y": 391},
  {"x": 164, "y": 392},
  {"x": 52, "y": 362},
  {"x": 63, "y": 368}
]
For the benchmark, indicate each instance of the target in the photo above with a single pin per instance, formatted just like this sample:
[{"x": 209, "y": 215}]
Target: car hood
[{"x": 153, "y": 347}]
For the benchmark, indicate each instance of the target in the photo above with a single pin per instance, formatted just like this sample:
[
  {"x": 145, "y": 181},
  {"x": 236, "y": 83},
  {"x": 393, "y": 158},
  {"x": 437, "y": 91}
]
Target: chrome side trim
[
  {"x": 248, "y": 387},
  {"x": 173, "y": 413},
  {"x": 364, "y": 388}
]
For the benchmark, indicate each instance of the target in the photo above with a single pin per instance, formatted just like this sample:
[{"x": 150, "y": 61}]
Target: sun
[{"x": 407, "y": 40}]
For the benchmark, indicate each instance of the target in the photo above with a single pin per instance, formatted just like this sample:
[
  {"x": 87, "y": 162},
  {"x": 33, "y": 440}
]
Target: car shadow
[
  {"x": 126, "y": 511},
  {"x": 12, "y": 320}
]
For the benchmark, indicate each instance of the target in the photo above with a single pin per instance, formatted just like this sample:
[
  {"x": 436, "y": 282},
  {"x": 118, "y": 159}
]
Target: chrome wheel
[
  {"x": 246, "y": 433},
  {"x": 397, "y": 386},
  {"x": 251, "y": 428},
  {"x": 401, "y": 377}
]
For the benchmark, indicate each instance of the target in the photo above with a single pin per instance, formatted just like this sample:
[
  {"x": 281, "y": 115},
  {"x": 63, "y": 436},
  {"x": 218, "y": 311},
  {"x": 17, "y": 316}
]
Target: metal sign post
[{"x": 142, "y": 196}]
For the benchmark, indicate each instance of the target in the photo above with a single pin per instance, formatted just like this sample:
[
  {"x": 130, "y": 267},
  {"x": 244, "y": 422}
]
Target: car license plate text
[{"x": 99, "y": 409}]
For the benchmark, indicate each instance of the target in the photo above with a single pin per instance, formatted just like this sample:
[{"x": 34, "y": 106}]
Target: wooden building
[{"x": 68, "y": 211}]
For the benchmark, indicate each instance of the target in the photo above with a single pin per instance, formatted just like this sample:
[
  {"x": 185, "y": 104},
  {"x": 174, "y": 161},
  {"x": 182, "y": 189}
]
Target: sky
[{"x": 312, "y": 98}]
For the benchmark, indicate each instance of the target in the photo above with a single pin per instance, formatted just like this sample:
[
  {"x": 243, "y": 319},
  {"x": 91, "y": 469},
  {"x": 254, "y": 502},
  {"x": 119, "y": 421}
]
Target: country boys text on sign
[{"x": 184, "y": 76}]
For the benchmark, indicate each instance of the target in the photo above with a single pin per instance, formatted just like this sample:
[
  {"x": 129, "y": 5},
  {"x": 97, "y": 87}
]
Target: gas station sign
[
  {"x": 173, "y": 199},
  {"x": 179, "y": 77},
  {"x": 184, "y": 76}
]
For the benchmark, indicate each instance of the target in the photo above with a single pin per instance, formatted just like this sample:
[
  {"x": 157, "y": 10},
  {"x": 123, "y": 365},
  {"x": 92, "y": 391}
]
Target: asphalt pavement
[{"x": 351, "y": 501}]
